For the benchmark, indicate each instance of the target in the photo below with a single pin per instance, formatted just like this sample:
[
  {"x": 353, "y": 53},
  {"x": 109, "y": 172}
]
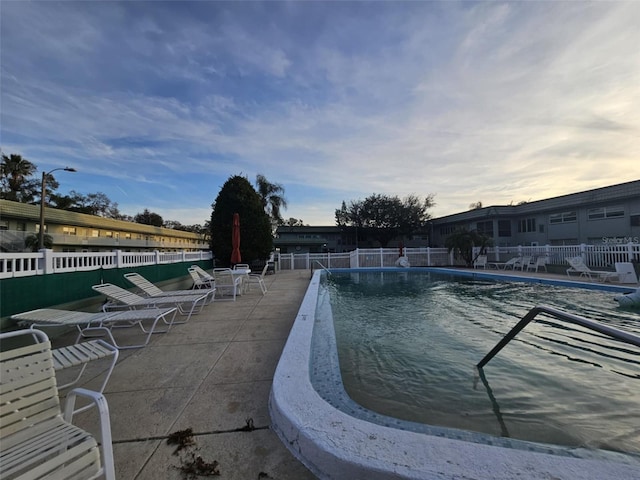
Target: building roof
[
  {"x": 598, "y": 196},
  {"x": 63, "y": 217}
]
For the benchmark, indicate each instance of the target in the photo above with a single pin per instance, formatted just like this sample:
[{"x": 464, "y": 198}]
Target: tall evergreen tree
[{"x": 256, "y": 242}]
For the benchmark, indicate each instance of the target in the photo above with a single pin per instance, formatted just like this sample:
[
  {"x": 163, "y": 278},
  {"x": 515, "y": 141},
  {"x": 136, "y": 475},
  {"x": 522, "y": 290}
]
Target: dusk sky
[{"x": 157, "y": 104}]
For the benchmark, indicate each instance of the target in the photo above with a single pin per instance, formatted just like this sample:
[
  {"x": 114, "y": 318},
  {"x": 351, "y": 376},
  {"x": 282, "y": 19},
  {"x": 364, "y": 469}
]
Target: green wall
[{"x": 40, "y": 291}]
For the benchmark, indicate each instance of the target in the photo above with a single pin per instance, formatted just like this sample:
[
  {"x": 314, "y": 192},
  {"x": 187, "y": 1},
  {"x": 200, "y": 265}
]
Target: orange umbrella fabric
[{"x": 235, "y": 240}]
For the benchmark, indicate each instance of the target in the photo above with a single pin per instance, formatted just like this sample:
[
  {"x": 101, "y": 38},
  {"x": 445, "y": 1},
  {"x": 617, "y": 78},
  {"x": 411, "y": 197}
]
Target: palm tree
[
  {"x": 272, "y": 197},
  {"x": 462, "y": 242},
  {"x": 14, "y": 170}
]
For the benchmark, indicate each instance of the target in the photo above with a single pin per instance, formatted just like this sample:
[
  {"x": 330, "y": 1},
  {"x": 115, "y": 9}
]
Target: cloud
[{"x": 491, "y": 102}]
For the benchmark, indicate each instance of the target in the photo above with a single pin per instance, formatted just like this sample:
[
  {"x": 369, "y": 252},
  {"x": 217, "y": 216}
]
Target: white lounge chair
[
  {"x": 90, "y": 324},
  {"x": 578, "y": 266},
  {"x": 151, "y": 290},
  {"x": 509, "y": 264},
  {"x": 254, "y": 278},
  {"x": 186, "y": 304},
  {"x": 205, "y": 277},
  {"x": 626, "y": 272},
  {"x": 38, "y": 440},
  {"x": 199, "y": 282}
]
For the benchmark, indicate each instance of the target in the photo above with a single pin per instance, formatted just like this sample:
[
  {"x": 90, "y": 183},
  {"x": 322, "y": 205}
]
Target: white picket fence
[
  {"x": 600, "y": 256},
  {"x": 47, "y": 261}
]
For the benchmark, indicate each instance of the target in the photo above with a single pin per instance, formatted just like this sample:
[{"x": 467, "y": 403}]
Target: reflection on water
[{"x": 408, "y": 344}]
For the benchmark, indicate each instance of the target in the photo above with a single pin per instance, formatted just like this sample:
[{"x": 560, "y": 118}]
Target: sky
[{"x": 156, "y": 104}]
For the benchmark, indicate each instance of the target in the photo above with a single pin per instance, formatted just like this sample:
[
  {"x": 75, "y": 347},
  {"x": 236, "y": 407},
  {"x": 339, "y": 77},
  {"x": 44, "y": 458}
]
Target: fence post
[
  {"x": 119, "y": 259},
  {"x": 47, "y": 261},
  {"x": 629, "y": 252},
  {"x": 428, "y": 256},
  {"x": 583, "y": 253}
]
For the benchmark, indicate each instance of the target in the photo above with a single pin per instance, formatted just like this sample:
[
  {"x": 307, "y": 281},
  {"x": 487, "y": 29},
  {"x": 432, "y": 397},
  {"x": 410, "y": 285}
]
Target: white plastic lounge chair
[
  {"x": 203, "y": 273},
  {"x": 38, "y": 440},
  {"x": 200, "y": 282},
  {"x": 254, "y": 278},
  {"x": 241, "y": 266},
  {"x": 89, "y": 324},
  {"x": 509, "y": 264},
  {"x": 227, "y": 284},
  {"x": 151, "y": 290},
  {"x": 626, "y": 272},
  {"x": 186, "y": 304},
  {"x": 538, "y": 263},
  {"x": 480, "y": 262},
  {"x": 578, "y": 266}
]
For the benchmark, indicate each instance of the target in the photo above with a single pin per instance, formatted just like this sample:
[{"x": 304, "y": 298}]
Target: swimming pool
[{"x": 336, "y": 438}]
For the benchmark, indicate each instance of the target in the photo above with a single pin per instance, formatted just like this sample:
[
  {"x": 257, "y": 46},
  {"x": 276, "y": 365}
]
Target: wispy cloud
[{"x": 492, "y": 102}]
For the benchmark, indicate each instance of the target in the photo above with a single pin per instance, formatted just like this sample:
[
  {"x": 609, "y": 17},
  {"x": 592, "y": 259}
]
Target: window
[
  {"x": 504, "y": 228},
  {"x": 447, "y": 230},
  {"x": 564, "y": 217},
  {"x": 605, "y": 212},
  {"x": 635, "y": 220},
  {"x": 127, "y": 236},
  {"x": 69, "y": 230},
  {"x": 108, "y": 234},
  {"x": 527, "y": 225},
  {"x": 4, "y": 225},
  {"x": 95, "y": 233},
  {"x": 485, "y": 228}
]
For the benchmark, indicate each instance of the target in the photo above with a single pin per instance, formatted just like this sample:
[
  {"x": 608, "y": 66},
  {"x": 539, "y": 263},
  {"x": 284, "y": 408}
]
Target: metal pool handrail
[
  {"x": 321, "y": 265},
  {"x": 560, "y": 315}
]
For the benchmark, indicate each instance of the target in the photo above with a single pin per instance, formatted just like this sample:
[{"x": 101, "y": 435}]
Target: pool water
[{"x": 408, "y": 342}]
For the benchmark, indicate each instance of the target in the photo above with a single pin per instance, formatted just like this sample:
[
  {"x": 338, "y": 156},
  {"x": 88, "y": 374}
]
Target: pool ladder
[{"x": 560, "y": 315}]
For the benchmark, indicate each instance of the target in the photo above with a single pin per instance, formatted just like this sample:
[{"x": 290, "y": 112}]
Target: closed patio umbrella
[{"x": 235, "y": 240}]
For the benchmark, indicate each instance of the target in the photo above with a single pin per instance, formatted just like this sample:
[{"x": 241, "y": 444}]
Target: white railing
[
  {"x": 48, "y": 261},
  {"x": 597, "y": 256}
]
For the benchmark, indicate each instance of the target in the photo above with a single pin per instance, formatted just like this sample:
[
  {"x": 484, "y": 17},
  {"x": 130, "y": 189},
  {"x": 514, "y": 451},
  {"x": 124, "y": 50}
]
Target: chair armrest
[{"x": 99, "y": 400}]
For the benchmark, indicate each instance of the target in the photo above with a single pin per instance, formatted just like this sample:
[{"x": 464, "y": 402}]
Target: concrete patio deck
[{"x": 213, "y": 375}]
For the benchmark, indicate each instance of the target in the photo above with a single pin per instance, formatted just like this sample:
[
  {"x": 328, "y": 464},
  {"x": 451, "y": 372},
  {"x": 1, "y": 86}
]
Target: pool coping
[{"x": 332, "y": 444}]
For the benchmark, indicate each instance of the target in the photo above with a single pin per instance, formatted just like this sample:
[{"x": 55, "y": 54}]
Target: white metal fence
[
  {"x": 594, "y": 255},
  {"x": 48, "y": 261}
]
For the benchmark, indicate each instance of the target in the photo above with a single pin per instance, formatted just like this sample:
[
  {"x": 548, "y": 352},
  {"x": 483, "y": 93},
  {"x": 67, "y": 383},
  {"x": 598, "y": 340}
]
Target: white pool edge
[{"x": 334, "y": 445}]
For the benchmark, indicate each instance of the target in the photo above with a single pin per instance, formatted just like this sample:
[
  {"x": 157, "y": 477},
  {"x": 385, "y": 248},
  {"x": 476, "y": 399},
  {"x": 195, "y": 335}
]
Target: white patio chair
[
  {"x": 538, "y": 263},
  {"x": 227, "y": 283},
  {"x": 38, "y": 440},
  {"x": 255, "y": 278},
  {"x": 480, "y": 262}
]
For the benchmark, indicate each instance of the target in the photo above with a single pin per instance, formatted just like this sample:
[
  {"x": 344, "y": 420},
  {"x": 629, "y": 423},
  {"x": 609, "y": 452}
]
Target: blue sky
[{"x": 157, "y": 104}]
